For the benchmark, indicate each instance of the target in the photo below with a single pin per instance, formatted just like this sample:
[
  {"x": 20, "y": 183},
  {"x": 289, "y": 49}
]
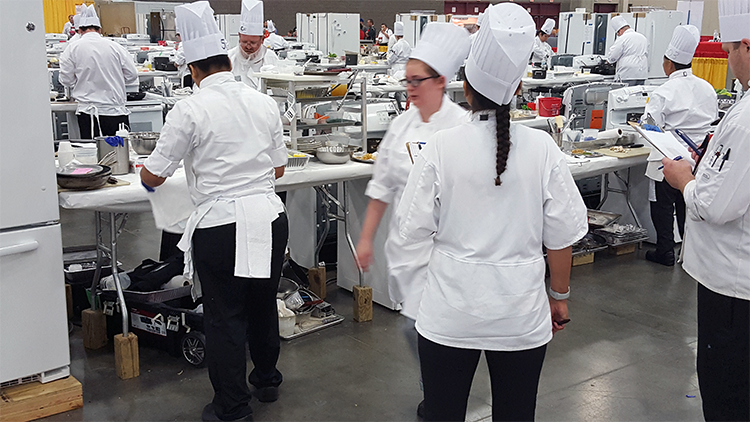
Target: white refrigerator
[
  {"x": 33, "y": 319},
  {"x": 329, "y": 32},
  {"x": 658, "y": 26}
]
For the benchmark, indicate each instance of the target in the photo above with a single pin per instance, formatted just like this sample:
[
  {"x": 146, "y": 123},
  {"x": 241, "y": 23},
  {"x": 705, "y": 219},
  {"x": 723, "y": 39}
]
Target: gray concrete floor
[{"x": 627, "y": 355}]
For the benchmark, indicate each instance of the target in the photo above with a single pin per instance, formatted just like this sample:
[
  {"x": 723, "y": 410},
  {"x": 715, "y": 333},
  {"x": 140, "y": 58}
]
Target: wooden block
[
  {"x": 362, "y": 303},
  {"x": 622, "y": 250},
  {"x": 317, "y": 278},
  {"x": 127, "y": 362},
  {"x": 69, "y": 299},
  {"x": 586, "y": 258},
  {"x": 36, "y": 400},
  {"x": 94, "y": 325}
]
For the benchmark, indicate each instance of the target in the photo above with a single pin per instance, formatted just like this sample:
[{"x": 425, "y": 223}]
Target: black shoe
[
  {"x": 209, "y": 414},
  {"x": 663, "y": 259},
  {"x": 420, "y": 409},
  {"x": 267, "y": 394}
]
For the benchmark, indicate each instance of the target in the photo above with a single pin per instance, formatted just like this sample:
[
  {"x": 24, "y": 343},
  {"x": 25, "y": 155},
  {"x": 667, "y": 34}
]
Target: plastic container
[
  {"x": 86, "y": 155},
  {"x": 65, "y": 153},
  {"x": 549, "y": 106}
]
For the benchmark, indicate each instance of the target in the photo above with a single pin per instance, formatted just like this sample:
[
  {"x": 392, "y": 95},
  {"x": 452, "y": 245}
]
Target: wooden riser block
[
  {"x": 587, "y": 258},
  {"x": 36, "y": 400},
  {"x": 362, "y": 303},
  {"x": 127, "y": 361},
  {"x": 622, "y": 250},
  {"x": 94, "y": 325},
  {"x": 317, "y": 279}
]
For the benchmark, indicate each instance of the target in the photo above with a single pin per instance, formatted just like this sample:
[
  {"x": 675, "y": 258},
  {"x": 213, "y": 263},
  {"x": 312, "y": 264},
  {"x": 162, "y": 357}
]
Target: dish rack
[{"x": 297, "y": 163}]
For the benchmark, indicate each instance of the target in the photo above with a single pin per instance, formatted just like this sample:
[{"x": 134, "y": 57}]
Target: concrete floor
[{"x": 628, "y": 354}]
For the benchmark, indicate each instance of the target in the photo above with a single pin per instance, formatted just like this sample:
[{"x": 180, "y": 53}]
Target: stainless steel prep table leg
[
  {"x": 110, "y": 250},
  {"x": 626, "y": 192}
]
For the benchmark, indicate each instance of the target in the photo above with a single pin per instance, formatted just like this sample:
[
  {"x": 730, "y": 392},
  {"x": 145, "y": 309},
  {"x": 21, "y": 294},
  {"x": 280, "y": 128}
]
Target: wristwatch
[{"x": 558, "y": 296}]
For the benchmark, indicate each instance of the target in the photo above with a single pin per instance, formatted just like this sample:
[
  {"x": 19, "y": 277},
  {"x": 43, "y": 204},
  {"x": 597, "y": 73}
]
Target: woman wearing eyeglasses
[
  {"x": 441, "y": 51},
  {"x": 490, "y": 195}
]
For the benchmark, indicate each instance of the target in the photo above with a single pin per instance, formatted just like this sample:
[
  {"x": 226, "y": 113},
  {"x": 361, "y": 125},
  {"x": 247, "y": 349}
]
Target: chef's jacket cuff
[
  {"x": 279, "y": 156},
  {"x": 160, "y": 166},
  {"x": 688, "y": 193},
  {"x": 379, "y": 192}
]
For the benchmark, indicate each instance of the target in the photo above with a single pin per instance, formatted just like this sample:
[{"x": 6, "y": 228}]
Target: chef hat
[
  {"x": 685, "y": 39},
  {"x": 618, "y": 22},
  {"x": 500, "y": 52},
  {"x": 734, "y": 20},
  {"x": 398, "y": 29},
  {"x": 200, "y": 34},
  {"x": 548, "y": 26},
  {"x": 89, "y": 17},
  {"x": 443, "y": 46},
  {"x": 251, "y": 19},
  {"x": 76, "y": 21},
  {"x": 270, "y": 26}
]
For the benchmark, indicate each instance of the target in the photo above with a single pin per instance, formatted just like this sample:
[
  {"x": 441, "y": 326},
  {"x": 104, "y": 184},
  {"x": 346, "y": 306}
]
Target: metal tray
[
  {"x": 326, "y": 322},
  {"x": 602, "y": 218},
  {"x": 158, "y": 296}
]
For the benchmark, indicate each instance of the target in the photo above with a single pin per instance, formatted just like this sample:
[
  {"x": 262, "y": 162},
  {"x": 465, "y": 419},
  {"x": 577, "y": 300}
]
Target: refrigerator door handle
[{"x": 19, "y": 248}]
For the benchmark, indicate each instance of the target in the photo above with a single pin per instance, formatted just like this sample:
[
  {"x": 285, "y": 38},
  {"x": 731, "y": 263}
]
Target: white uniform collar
[
  {"x": 438, "y": 114},
  {"x": 217, "y": 79},
  {"x": 628, "y": 30},
  {"x": 681, "y": 73},
  {"x": 91, "y": 34}
]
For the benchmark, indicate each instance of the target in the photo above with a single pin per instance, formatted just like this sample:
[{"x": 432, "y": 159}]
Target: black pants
[
  {"x": 238, "y": 310},
  {"x": 109, "y": 125},
  {"x": 447, "y": 373},
  {"x": 668, "y": 200},
  {"x": 723, "y": 356}
]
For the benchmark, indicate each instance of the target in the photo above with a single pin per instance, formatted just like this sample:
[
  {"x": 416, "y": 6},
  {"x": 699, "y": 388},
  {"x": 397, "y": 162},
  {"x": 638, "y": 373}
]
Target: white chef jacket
[
  {"x": 542, "y": 51},
  {"x": 399, "y": 55},
  {"x": 717, "y": 230},
  {"x": 66, "y": 28},
  {"x": 98, "y": 69},
  {"x": 684, "y": 102},
  {"x": 630, "y": 52},
  {"x": 485, "y": 286},
  {"x": 407, "y": 263},
  {"x": 74, "y": 38},
  {"x": 384, "y": 38},
  {"x": 391, "y": 42},
  {"x": 275, "y": 42},
  {"x": 230, "y": 137},
  {"x": 244, "y": 69},
  {"x": 181, "y": 62}
]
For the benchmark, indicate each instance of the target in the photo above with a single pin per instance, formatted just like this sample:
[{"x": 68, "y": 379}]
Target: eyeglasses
[{"x": 416, "y": 82}]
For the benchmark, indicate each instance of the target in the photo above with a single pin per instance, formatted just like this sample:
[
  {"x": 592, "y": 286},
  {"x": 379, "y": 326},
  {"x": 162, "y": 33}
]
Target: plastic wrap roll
[{"x": 609, "y": 134}]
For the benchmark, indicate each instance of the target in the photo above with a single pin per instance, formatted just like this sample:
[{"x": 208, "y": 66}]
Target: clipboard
[
  {"x": 664, "y": 142},
  {"x": 414, "y": 148}
]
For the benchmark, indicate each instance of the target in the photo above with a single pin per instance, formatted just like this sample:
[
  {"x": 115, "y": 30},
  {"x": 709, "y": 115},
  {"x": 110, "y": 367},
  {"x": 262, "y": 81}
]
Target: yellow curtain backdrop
[
  {"x": 711, "y": 69},
  {"x": 56, "y": 14}
]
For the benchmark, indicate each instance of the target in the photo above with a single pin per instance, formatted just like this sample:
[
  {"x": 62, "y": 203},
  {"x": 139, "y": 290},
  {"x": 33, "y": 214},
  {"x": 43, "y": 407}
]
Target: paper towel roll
[{"x": 609, "y": 134}]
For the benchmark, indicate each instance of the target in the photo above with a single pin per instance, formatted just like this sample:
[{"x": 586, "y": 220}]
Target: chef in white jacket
[
  {"x": 274, "y": 41},
  {"x": 542, "y": 52},
  {"x": 684, "y": 102},
  {"x": 399, "y": 54},
  {"x": 441, "y": 51},
  {"x": 491, "y": 195},
  {"x": 69, "y": 28},
  {"x": 76, "y": 29},
  {"x": 630, "y": 52},
  {"x": 230, "y": 138},
  {"x": 717, "y": 237},
  {"x": 251, "y": 55},
  {"x": 97, "y": 70}
]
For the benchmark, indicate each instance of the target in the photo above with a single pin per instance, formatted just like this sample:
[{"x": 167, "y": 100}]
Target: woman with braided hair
[{"x": 491, "y": 195}]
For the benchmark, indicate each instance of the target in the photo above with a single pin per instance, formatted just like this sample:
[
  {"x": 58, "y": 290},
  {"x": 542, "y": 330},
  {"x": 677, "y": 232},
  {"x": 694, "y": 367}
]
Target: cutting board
[{"x": 629, "y": 152}]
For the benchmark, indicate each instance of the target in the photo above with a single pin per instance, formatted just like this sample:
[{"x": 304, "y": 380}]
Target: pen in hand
[{"x": 678, "y": 158}]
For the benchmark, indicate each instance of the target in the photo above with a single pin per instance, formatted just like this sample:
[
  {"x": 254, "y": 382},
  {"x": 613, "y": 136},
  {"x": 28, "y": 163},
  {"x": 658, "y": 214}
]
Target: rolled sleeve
[
  {"x": 565, "y": 215},
  {"x": 279, "y": 154},
  {"x": 67, "y": 68},
  {"x": 174, "y": 142}
]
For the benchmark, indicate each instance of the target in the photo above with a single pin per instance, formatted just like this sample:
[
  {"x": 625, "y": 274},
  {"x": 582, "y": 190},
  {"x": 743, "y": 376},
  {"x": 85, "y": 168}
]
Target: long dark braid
[{"x": 502, "y": 128}]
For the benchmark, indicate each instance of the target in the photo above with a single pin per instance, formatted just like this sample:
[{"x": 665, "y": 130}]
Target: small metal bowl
[
  {"x": 144, "y": 143},
  {"x": 333, "y": 154}
]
